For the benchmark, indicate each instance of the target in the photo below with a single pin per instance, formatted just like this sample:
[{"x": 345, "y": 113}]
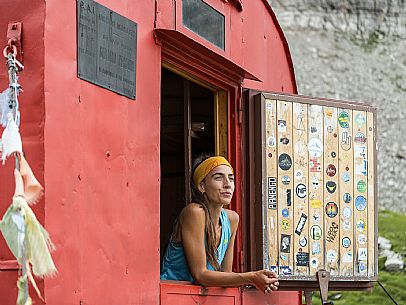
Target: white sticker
[
  {"x": 281, "y": 126},
  {"x": 314, "y": 262},
  {"x": 315, "y": 147},
  {"x": 346, "y": 225},
  {"x": 271, "y": 141},
  {"x": 298, "y": 174},
  {"x": 347, "y": 212},
  {"x": 362, "y": 239},
  {"x": 347, "y": 257},
  {"x": 362, "y": 254},
  {"x": 331, "y": 256}
]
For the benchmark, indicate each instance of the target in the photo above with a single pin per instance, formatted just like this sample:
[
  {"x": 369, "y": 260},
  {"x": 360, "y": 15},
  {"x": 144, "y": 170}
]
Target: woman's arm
[{"x": 193, "y": 224}]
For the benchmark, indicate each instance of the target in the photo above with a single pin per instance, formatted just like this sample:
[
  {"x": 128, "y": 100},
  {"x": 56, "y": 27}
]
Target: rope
[{"x": 387, "y": 293}]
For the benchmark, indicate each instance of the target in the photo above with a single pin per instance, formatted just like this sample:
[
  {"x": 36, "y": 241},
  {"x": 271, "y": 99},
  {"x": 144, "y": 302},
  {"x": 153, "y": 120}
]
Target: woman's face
[{"x": 218, "y": 185}]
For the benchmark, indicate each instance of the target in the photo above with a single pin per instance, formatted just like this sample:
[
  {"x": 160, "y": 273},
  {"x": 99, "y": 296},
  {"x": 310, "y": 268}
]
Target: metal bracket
[
  {"x": 14, "y": 31},
  {"x": 323, "y": 278}
]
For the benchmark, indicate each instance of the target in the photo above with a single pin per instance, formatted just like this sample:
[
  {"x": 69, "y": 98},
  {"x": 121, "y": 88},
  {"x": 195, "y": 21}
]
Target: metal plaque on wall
[{"x": 107, "y": 48}]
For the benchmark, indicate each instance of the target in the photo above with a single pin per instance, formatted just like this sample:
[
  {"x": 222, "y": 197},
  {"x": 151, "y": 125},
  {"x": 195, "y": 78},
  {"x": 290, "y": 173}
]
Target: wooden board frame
[{"x": 350, "y": 280}]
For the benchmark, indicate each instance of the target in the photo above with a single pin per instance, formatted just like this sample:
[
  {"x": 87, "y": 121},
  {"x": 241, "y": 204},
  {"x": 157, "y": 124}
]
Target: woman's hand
[{"x": 265, "y": 280}]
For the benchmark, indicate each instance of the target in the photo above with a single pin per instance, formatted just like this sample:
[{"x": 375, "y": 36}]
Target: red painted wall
[{"x": 97, "y": 153}]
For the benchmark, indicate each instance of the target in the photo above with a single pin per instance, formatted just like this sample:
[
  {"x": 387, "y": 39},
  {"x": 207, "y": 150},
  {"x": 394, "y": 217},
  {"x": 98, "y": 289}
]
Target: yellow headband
[{"x": 207, "y": 166}]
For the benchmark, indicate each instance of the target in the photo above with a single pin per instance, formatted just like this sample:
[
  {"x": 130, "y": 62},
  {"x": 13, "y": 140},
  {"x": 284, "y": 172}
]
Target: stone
[{"x": 394, "y": 263}]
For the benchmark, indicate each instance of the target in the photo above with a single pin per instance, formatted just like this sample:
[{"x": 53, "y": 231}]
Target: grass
[{"x": 392, "y": 226}]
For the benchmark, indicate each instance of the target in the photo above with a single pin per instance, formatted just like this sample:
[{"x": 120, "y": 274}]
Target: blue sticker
[
  {"x": 346, "y": 242},
  {"x": 285, "y": 213},
  {"x": 347, "y": 198},
  {"x": 346, "y": 177},
  {"x": 285, "y": 270},
  {"x": 360, "y": 203}
]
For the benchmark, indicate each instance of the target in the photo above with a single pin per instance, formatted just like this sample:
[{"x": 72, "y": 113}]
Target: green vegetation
[
  {"x": 392, "y": 226},
  {"x": 368, "y": 43}
]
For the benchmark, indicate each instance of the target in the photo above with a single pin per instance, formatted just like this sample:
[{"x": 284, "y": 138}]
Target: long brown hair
[{"x": 210, "y": 232}]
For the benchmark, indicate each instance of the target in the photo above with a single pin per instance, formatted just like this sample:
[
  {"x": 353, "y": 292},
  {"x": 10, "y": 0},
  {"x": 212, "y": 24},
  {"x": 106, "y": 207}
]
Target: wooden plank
[
  {"x": 285, "y": 180},
  {"x": 371, "y": 196},
  {"x": 315, "y": 188},
  {"x": 330, "y": 186},
  {"x": 271, "y": 217},
  {"x": 346, "y": 185},
  {"x": 360, "y": 193},
  {"x": 300, "y": 187}
]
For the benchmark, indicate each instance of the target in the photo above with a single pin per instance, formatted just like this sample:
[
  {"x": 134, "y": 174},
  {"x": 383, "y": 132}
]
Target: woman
[{"x": 201, "y": 247}]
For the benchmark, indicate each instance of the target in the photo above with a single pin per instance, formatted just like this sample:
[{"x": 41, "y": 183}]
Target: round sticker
[
  {"x": 331, "y": 186},
  {"x": 346, "y": 177},
  {"x": 361, "y": 186},
  {"x": 344, "y": 119},
  {"x": 346, "y": 225},
  {"x": 331, "y": 256},
  {"x": 361, "y": 226},
  {"x": 284, "y": 140},
  {"x": 333, "y": 154},
  {"x": 360, "y": 119},
  {"x": 285, "y": 180},
  {"x": 303, "y": 241},
  {"x": 362, "y": 267},
  {"x": 285, "y": 224},
  {"x": 347, "y": 198},
  {"x": 347, "y": 212},
  {"x": 285, "y": 213},
  {"x": 331, "y": 209},
  {"x": 315, "y": 232},
  {"x": 346, "y": 242},
  {"x": 362, "y": 239},
  {"x": 314, "y": 262},
  {"x": 360, "y": 138},
  {"x": 298, "y": 174},
  {"x": 331, "y": 170},
  {"x": 300, "y": 148},
  {"x": 360, "y": 203},
  {"x": 285, "y": 162},
  {"x": 315, "y": 148},
  {"x": 271, "y": 141},
  {"x": 301, "y": 190}
]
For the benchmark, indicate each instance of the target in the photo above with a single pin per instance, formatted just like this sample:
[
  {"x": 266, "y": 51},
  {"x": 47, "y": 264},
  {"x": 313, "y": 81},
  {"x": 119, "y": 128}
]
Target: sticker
[
  {"x": 283, "y": 257},
  {"x": 315, "y": 182},
  {"x": 361, "y": 226},
  {"x": 346, "y": 177},
  {"x": 289, "y": 197},
  {"x": 271, "y": 141},
  {"x": 281, "y": 126},
  {"x": 347, "y": 212},
  {"x": 301, "y": 224},
  {"x": 346, "y": 242},
  {"x": 361, "y": 186},
  {"x": 362, "y": 169},
  {"x": 315, "y": 147},
  {"x": 360, "y": 203},
  {"x": 360, "y": 120},
  {"x": 268, "y": 106},
  {"x": 285, "y": 270},
  {"x": 315, "y": 165},
  {"x": 362, "y": 239},
  {"x": 360, "y": 151},
  {"x": 362, "y": 267},
  {"x": 285, "y": 224},
  {"x": 316, "y": 218},
  {"x": 331, "y": 170},
  {"x": 331, "y": 186},
  {"x": 331, "y": 209},
  {"x": 285, "y": 162},
  {"x": 272, "y": 182},
  {"x": 344, "y": 119},
  {"x": 285, "y": 243},
  {"x": 284, "y": 140},
  {"x": 315, "y": 232},
  {"x": 346, "y": 225},
  {"x": 313, "y": 129},
  {"x": 347, "y": 257},
  {"x": 331, "y": 256},
  {"x": 347, "y": 198},
  {"x": 316, "y": 248},
  {"x": 363, "y": 254},
  {"x": 300, "y": 148},
  {"x": 315, "y": 204},
  {"x": 360, "y": 138},
  {"x": 329, "y": 112},
  {"x": 332, "y": 232},
  {"x": 345, "y": 141},
  {"x": 298, "y": 174},
  {"x": 333, "y": 154},
  {"x": 314, "y": 262},
  {"x": 285, "y": 213},
  {"x": 301, "y": 190},
  {"x": 273, "y": 268},
  {"x": 303, "y": 241},
  {"x": 302, "y": 259},
  {"x": 285, "y": 180}
]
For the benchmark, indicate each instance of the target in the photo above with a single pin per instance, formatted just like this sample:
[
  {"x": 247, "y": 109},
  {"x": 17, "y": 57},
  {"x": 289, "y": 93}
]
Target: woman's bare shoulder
[
  {"x": 233, "y": 217},
  {"x": 192, "y": 211}
]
